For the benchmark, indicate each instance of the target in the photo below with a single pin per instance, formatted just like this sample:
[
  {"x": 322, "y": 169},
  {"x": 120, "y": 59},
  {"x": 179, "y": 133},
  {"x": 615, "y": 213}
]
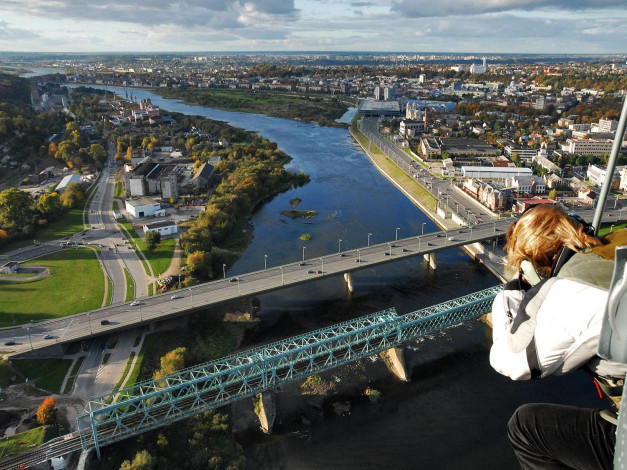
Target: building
[
  {"x": 547, "y": 164},
  {"x": 588, "y": 146},
  {"x": 379, "y": 108},
  {"x": 525, "y": 154},
  {"x": 144, "y": 207},
  {"x": 527, "y": 184},
  {"x": 150, "y": 178},
  {"x": 489, "y": 172},
  {"x": 411, "y": 128},
  {"x": 597, "y": 175},
  {"x": 476, "y": 68},
  {"x": 202, "y": 178},
  {"x": 607, "y": 125},
  {"x": 66, "y": 181},
  {"x": 522, "y": 205},
  {"x": 164, "y": 227}
]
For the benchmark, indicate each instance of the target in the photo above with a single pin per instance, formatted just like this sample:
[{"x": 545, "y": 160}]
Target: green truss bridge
[{"x": 152, "y": 404}]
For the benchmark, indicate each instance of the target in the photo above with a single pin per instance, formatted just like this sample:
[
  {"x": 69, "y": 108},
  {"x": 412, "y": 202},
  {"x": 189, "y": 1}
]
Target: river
[{"x": 453, "y": 413}]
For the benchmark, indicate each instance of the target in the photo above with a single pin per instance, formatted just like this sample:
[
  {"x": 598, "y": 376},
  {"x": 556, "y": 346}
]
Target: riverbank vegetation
[
  {"x": 248, "y": 172},
  {"x": 321, "y": 110}
]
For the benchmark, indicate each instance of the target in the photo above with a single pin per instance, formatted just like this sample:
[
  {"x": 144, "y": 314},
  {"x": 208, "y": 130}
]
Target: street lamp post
[
  {"x": 396, "y": 234},
  {"x": 191, "y": 297},
  {"x": 265, "y": 262},
  {"x": 358, "y": 256},
  {"x": 390, "y": 245},
  {"x": 224, "y": 270},
  {"x": 423, "y": 228},
  {"x": 322, "y": 268},
  {"x": 29, "y": 339},
  {"x": 304, "y": 253},
  {"x": 611, "y": 228},
  {"x": 339, "y": 245},
  {"x": 369, "y": 235}
]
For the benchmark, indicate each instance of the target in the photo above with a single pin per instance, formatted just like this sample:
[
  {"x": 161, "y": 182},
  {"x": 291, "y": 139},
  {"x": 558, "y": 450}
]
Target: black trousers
[{"x": 546, "y": 436}]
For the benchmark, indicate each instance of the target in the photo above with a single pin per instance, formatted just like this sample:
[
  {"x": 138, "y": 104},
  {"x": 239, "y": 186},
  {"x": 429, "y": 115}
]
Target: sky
[{"x": 482, "y": 26}]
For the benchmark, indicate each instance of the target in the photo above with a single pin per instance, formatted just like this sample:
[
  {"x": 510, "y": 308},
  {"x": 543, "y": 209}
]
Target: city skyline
[{"x": 481, "y": 26}]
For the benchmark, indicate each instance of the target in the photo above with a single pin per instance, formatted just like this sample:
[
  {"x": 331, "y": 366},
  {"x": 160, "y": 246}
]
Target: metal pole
[
  {"x": 304, "y": 253},
  {"x": 423, "y": 228},
  {"x": 282, "y": 278},
  {"x": 191, "y": 297},
  {"x": 611, "y": 165},
  {"x": 322, "y": 268},
  {"x": 396, "y": 235},
  {"x": 339, "y": 245},
  {"x": 369, "y": 234},
  {"x": 224, "y": 270},
  {"x": 390, "y": 245},
  {"x": 265, "y": 262},
  {"x": 29, "y": 339}
]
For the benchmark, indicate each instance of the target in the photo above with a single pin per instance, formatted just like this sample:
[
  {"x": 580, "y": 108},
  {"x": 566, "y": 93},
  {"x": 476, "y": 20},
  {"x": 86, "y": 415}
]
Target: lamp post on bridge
[
  {"x": 396, "y": 234},
  {"x": 322, "y": 267},
  {"x": 339, "y": 245},
  {"x": 29, "y": 338},
  {"x": 358, "y": 256},
  {"x": 422, "y": 232},
  {"x": 265, "y": 262},
  {"x": 390, "y": 245},
  {"x": 369, "y": 235},
  {"x": 304, "y": 247},
  {"x": 224, "y": 270}
]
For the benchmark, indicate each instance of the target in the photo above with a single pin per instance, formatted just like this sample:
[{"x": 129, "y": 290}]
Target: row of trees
[{"x": 20, "y": 214}]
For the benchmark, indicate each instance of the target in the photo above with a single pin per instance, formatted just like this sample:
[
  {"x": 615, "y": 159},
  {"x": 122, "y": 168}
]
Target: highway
[{"x": 121, "y": 316}]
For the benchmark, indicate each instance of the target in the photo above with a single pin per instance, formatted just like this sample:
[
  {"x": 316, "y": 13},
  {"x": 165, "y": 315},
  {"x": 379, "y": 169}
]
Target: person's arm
[{"x": 505, "y": 361}]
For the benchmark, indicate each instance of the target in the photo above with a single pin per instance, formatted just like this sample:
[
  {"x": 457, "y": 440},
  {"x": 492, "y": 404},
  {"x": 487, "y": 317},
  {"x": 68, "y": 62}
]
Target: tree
[
  {"x": 15, "y": 208},
  {"x": 153, "y": 238},
  {"x": 170, "y": 363},
  {"x": 142, "y": 461},
  {"x": 98, "y": 153},
  {"x": 49, "y": 205},
  {"x": 553, "y": 194},
  {"x": 46, "y": 413}
]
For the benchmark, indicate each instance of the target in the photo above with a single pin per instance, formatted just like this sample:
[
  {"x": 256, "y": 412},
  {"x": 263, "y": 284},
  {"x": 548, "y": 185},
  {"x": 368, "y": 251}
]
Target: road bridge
[
  {"x": 152, "y": 404},
  {"x": 59, "y": 332}
]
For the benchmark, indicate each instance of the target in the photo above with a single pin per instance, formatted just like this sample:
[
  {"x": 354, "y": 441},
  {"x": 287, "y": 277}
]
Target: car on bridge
[
  {"x": 47, "y": 336},
  {"x": 175, "y": 296},
  {"x": 135, "y": 303}
]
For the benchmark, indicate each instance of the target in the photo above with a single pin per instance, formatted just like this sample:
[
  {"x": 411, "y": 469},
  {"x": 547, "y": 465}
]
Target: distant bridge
[
  {"x": 159, "y": 307},
  {"x": 152, "y": 404}
]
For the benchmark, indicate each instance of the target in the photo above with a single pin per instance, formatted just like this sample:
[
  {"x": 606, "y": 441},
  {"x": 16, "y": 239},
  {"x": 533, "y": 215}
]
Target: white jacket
[{"x": 555, "y": 332}]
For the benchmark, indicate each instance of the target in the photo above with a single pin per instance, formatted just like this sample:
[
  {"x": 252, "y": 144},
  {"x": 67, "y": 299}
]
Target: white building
[
  {"x": 597, "y": 175},
  {"x": 607, "y": 125},
  {"x": 164, "y": 227},
  {"x": 527, "y": 184},
  {"x": 588, "y": 146},
  {"x": 411, "y": 128},
  {"x": 476, "y": 68},
  {"x": 494, "y": 172},
  {"x": 67, "y": 180},
  {"x": 143, "y": 207}
]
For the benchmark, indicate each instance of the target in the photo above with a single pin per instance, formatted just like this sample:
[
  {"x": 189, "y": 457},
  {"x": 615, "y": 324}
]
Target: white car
[
  {"x": 135, "y": 303},
  {"x": 175, "y": 296}
]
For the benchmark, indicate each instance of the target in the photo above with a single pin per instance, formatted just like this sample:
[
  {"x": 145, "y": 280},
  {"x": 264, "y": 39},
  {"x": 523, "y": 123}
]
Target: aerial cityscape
[{"x": 270, "y": 234}]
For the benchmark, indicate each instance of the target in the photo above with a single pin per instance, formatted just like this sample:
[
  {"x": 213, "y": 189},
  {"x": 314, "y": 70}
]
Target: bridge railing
[{"x": 154, "y": 403}]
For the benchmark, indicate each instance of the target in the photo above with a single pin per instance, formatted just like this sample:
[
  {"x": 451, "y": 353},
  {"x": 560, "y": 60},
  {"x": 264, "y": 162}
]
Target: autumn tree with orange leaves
[{"x": 46, "y": 413}]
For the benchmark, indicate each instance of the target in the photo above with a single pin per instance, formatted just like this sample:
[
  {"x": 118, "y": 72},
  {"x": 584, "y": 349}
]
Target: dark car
[
  {"x": 9, "y": 343},
  {"x": 104, "y": 322},
  {"x": 233, "y": 279}
]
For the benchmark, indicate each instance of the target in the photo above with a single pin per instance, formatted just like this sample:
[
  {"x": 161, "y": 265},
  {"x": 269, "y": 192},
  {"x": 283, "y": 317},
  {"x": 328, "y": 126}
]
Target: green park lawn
[
  {"x": 75, "y": 273},
  {"x": 26, "y": 441}
]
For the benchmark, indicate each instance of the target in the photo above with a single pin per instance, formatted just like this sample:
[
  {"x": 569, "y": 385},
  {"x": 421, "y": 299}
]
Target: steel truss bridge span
[{"x": 152, "y": 404}]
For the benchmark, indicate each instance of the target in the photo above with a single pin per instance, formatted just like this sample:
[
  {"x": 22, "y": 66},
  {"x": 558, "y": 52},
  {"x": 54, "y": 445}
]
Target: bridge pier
[
  {"x": 267, "y": 411},
  {"x": 395, "y": 360},
  {"x": 348, "y": 277},
  {"x": 431, "y": 259}
]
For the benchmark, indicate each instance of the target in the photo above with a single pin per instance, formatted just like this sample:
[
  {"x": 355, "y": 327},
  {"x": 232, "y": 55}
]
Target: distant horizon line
[{"x": 314, "y": 52}]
